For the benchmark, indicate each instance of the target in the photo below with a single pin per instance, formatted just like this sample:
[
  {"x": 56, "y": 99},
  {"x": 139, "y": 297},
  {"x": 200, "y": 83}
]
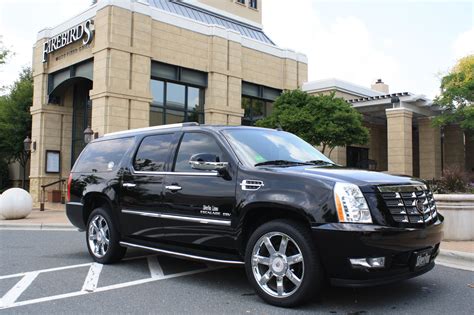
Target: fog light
[{"x": 372, "y": 263}]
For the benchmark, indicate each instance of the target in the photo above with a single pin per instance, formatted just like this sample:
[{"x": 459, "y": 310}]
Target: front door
[
  {"x": 142, "y": 187},
  {"x": 199, "y": 204}
]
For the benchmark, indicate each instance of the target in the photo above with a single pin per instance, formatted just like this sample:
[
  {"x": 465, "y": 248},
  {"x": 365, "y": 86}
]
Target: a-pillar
[
  {"x": 429, "y": 149},
  {"x": 400, "y": 141},
  {"x": 454, "y": 151}
]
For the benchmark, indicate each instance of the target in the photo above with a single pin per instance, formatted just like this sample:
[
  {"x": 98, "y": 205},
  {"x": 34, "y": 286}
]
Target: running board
[{"x": 163, "y": 251}]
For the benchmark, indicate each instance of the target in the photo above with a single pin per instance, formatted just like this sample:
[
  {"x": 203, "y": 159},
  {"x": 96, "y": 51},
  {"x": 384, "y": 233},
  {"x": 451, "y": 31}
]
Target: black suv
[{"x": 258, "y": 197}]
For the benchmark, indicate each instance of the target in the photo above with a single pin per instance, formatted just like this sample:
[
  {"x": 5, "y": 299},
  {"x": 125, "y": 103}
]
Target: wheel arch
[
  {"x": 96, "y": 200},
  {"x": 258, "y": 214}
]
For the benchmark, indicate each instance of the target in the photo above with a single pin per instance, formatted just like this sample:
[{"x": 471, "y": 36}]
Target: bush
[{"x": 454, "y": 180}]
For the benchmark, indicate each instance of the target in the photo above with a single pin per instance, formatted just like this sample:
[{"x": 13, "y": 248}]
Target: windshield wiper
[
  {"x": 319, "y": 162},
  {"x": 282, "y": 162}
]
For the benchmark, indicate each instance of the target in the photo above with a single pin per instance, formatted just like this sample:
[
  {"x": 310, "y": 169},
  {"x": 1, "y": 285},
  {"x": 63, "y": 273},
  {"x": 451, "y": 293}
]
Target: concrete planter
[{"x": 458, "y": 211}]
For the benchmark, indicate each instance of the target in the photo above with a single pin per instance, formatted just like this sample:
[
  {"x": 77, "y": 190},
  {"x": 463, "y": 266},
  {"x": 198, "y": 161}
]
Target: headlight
[{"x": 350, "y": 204}]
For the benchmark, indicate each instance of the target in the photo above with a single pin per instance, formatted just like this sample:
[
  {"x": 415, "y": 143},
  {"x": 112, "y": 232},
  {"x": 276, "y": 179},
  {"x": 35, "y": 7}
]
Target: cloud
[
  {"x": 464, "y": 44},
  {"x": 342, "y": 48}
]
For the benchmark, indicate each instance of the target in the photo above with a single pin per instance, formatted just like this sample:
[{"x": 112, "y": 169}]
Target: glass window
[
  {"x": 257, "y": 102},
  {"x": 153, "y": 153},
  {"x": 253, "y": 4},
  {"x": 255, "y": 146},
  {"x": 175, "y": 95},
  {"x": 175, "y": 103},
  {"x": 103, "y": 156},
  {"x": 195, "y": 143},
  {"x": 158, "y": 92}
]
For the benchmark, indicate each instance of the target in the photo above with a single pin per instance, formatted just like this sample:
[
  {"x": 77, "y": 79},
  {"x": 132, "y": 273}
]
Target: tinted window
[
  {"x": 153, "y": 153},
  {"x": 103, "y": 156},
  {"x": 195, "y": 143}
]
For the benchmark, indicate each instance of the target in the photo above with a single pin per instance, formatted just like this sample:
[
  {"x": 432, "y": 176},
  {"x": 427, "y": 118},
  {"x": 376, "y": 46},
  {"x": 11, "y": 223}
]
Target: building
[
  {"x": 125, "y": 64},
  {"x": 402, "y": 138}
]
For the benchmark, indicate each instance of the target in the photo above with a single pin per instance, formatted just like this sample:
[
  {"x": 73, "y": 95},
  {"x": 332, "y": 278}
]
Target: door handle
[
  {"x": 129, "y": 185},
  {"x": 174, "y": 187}
]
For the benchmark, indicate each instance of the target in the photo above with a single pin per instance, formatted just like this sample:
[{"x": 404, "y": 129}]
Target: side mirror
[{"x": 207, "y": 162}]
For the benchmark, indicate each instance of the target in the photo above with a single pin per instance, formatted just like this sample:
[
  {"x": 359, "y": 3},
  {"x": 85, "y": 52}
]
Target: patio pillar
[
  {"x": 400, "y": 141},
  {"x": 429, "y": 149}
]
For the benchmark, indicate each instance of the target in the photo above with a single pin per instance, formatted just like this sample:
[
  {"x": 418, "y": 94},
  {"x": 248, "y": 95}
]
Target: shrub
[{"x": 454, "y": 180}]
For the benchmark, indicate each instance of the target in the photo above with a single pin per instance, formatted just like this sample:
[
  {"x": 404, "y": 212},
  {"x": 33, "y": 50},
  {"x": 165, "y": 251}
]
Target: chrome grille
[{"x": 409, "y": 204}]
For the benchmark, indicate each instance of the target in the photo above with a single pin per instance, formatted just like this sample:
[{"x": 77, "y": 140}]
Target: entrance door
[
  {"x": 358, "y": 157},
  {"x": 82, "y": 116}
]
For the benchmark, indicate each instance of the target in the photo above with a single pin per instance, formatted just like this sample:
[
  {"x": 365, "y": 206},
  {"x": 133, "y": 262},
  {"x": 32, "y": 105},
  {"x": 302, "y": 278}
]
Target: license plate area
[{"x": 421, "y": 258}]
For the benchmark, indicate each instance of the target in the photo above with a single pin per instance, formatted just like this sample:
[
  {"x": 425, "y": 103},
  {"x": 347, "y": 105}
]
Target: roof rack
[{"x": 188, "y": 124}]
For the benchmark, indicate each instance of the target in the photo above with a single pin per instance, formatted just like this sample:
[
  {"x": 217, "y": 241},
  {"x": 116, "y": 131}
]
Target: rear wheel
[
  {"x": 282, "y": 264},
  {"x": 103, "y": 238}
]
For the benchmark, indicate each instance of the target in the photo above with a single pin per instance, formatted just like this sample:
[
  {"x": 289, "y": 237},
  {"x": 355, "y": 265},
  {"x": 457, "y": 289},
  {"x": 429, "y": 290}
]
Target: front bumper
[{"x": 339, "y": 242}]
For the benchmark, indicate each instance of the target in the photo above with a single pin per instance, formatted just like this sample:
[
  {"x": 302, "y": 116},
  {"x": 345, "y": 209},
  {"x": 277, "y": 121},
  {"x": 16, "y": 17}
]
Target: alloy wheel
[
  {"x": 99, "y": 236},
  {"x": 277, "y": 264}
]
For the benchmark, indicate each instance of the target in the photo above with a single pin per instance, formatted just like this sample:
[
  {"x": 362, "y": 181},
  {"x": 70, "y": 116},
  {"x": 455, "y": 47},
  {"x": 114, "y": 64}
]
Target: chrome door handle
[
  {"x": 129, "y": 185},
  {"x": 174, "y": 188}
]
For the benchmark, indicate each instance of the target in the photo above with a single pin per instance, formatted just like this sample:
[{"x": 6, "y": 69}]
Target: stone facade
[{"x": 127, "y": 39}]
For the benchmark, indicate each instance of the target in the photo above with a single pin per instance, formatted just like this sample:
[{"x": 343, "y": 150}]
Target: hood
[{"x": 364, "y": 179}]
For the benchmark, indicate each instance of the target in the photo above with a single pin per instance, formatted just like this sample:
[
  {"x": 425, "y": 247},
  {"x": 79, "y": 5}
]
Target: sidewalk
[
  {"x": 453, "y": 254},
  {"x": 48, "y": 219}
]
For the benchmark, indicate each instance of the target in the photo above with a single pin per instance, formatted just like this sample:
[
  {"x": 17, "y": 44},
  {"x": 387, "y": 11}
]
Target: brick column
[
  {"x": 399, "y": 141},
  {"x": 429, "y": 149},
  {"x": 454, "y": 151}
]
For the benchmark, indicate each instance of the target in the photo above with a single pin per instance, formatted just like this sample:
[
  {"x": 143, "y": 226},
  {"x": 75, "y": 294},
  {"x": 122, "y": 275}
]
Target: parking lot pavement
[{"x": 51, "y": 272}]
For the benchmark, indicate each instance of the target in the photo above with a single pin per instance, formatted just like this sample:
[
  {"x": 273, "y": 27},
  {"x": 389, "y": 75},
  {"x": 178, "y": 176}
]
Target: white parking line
[
  {"x": 107, "y": 288},
  {"x": 155, "y": 268},
  {"x": 90, "y": 284},
  {"x": 45, "y": 270},
  {"x": 10, "y": 297}
]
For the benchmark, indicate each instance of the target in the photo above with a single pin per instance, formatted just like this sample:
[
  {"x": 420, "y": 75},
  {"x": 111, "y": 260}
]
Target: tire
[
  {"x": 102, "y": 238},
  {"x": 292, "y": 274}
]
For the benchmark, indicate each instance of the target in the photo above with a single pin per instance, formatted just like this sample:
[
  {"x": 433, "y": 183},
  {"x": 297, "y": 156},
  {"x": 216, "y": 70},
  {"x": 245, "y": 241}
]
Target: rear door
[
  {"x": 142, "y": 187},
  {"x": 199, "y": 204}
]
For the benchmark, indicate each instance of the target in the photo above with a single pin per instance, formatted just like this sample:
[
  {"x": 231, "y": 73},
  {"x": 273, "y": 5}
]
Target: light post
[
  {"x": 27, "y": 148},
  {"x": 88, "y": 135}
]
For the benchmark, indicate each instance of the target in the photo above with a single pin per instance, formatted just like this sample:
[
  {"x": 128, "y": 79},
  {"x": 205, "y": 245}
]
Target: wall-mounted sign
[
  {"x": 53, "y": 161},
  {"x": 79, "y": 32}
]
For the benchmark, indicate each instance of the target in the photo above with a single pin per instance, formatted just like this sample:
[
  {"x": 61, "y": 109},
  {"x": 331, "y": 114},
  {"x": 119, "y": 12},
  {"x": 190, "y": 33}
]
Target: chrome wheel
[
  {"x": 99, "y": 236},
  {"x": 277, "y": 264}
]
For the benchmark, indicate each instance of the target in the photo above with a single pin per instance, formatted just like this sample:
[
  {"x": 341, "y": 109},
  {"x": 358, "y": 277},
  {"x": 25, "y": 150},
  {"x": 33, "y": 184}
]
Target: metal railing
[{"x": 43, "y": 191}]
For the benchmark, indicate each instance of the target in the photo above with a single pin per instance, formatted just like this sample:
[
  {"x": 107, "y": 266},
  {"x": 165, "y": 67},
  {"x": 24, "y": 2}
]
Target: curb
[
  {"x": 456, "y": 259},
  {"x": 38, "y": 227}
]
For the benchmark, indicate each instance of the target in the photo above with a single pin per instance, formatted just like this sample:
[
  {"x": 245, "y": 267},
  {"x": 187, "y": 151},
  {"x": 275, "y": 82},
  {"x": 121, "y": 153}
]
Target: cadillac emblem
[{"x": 420, "y": 206}]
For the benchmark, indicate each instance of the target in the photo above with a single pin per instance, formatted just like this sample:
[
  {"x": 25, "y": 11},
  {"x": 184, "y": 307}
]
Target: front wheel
[
  {"x": 282, "y": 264},
  {"x": 103, "y": 238}
]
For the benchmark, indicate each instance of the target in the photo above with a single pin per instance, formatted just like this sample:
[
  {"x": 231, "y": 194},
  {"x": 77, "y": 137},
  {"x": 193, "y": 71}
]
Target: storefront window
[
  {"x": 178, "y": 94},
  {"x": 257, "y": 102}
]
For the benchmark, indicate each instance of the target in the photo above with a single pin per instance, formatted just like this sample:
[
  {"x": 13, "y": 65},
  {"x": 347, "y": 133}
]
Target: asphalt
[{"x": 189, "y": 287}]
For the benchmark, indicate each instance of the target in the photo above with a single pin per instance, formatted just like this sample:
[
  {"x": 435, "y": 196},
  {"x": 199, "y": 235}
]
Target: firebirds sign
[{"x": 82, "y": 31}]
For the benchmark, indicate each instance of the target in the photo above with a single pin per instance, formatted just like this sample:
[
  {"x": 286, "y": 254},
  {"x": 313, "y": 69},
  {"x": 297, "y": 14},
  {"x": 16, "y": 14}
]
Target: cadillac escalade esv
[{"x": 258, "y": 197}]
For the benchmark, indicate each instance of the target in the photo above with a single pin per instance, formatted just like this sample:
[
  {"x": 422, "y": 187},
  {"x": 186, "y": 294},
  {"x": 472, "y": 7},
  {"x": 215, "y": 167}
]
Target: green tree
[
  {"x": 3, "y": 53},
  {"x": 15, "y": 119},
  {"x": 323, "y": 120},
  {"x": 457, "y": 95}
]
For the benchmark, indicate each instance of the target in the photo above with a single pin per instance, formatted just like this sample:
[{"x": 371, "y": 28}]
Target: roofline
[
  {"x": 338, "y": 84},
  {"x": 157, "y": 14}
]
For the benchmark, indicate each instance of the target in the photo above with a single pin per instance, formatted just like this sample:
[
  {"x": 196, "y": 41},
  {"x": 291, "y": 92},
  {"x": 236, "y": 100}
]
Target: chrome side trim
[
  {"x": 75, "y": 204},
  {"x": 234, "y": 262},
  {"x": 177, "y": 217},
  {"x": 176, "y": 173}
]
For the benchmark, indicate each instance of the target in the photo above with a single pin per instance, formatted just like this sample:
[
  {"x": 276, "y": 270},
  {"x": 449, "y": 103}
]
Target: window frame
[
  {"x": 167, "y": 162},
  {"x": 253, "y": 4},
  {"x": 164, "y": 107}
]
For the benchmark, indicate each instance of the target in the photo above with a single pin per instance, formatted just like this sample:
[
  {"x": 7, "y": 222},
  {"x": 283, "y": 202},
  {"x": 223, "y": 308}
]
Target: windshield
[{"x": 257, "y": 147}]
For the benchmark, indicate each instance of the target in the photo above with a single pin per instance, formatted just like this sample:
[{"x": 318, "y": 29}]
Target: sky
[{"x": 409, "y": 44}]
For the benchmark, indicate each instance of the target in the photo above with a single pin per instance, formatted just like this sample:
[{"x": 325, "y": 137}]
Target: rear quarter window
[{"x": 103, "y": 156}]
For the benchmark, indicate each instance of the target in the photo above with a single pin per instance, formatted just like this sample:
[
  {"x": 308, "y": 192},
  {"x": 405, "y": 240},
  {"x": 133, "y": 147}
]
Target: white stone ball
[{"x": 15, "y": 203}]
